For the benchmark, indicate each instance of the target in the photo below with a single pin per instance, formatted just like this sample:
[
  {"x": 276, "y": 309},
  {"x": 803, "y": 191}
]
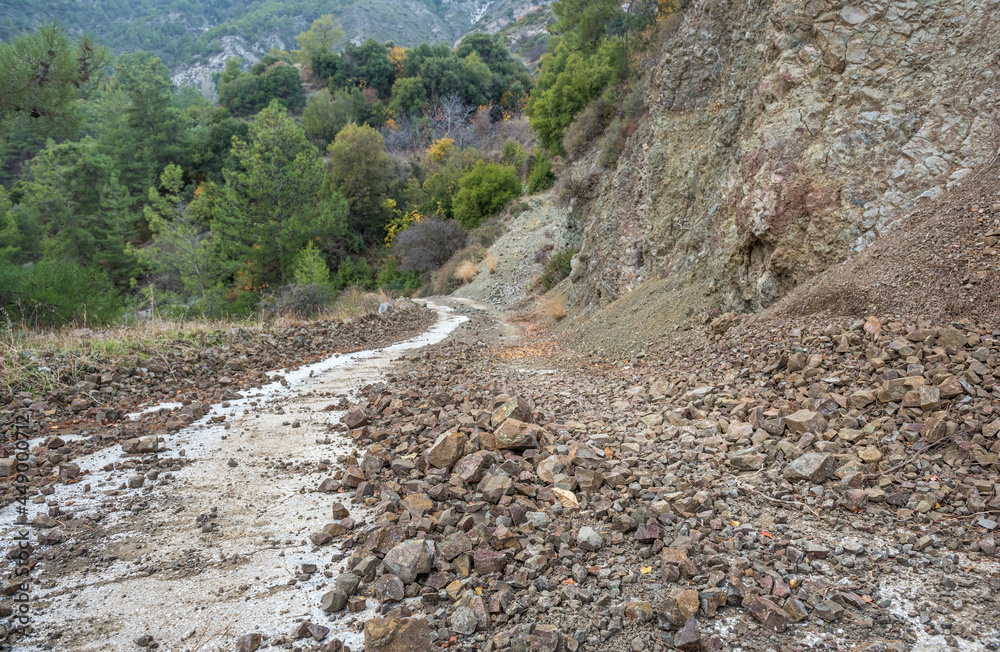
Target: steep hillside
[
  {"x": 194, "y": 39},
  {"x": 780, "y": 137}
]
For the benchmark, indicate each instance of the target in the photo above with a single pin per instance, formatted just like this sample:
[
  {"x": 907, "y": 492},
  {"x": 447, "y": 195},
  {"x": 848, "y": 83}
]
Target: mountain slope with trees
[
  {"x": 142, "y": 193},
  {"x": 194, "y": 39}
]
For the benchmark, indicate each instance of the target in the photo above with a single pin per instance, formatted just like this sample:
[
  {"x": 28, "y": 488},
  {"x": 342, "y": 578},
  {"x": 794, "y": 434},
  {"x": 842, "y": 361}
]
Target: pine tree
[
  {"x": 42, "y": 74},
  {"x": 358, "y": 170},
  {"x": 269, "y": 208},
  {"x": 181, "y": 248}
]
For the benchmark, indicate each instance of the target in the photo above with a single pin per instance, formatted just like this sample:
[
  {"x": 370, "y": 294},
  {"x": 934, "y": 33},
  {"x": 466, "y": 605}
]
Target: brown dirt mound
[{"x": 943, "y": 262}]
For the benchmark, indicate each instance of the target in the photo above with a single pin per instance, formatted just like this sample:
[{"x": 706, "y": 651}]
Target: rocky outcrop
[{"x": 782, "y": 136}]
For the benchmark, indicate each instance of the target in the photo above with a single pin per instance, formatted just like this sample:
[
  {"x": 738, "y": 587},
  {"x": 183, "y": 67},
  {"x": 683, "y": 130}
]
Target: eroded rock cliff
[{"x": 781, "y": 136}]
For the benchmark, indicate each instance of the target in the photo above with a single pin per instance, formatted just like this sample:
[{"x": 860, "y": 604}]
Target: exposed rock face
[{"x": 781, "y": 138}]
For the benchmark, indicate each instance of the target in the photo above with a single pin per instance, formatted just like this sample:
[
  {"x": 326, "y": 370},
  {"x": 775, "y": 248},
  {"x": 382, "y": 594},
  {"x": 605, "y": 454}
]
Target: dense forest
[
  {"x": 176, "y": 31},
  {"x": 329, "y": 166}
]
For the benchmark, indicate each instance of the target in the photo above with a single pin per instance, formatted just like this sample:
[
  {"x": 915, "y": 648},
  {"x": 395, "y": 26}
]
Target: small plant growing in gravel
[
  {"x": 542, "y": 177},
  {"x": 519, "y": 208},
  {"x": 491, "y": 263},
  {"x": 557, "y": 268},
  {"x": 542, "y": 254},
  {"x": 551, "y": 306},
  {"x": 467, "y": 271}
]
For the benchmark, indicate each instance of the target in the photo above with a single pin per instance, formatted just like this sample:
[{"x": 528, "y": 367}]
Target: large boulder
[
  {"x": 410, "y": 558},
  {"x": 397, "y": 635},
  {"x": 515, "y": 408},
  {"x": 814, "y": 467},
  {"x": 512, "y": 434},
  {"x": 446, "y": 449},
  {"x": 805, "y": 421},
  {"x": 494, "y": 487}
]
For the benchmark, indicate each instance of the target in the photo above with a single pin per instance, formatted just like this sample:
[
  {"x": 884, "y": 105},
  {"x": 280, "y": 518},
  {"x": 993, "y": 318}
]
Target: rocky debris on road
[
  {"x": 806, "y": 477},
  {"x": 196, "y": 374}
]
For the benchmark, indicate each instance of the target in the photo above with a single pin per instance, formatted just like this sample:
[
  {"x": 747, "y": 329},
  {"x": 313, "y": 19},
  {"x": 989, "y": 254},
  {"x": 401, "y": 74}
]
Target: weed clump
[
  {"x": 557, "y": 268},
  {"x": 467, "y": 271}
]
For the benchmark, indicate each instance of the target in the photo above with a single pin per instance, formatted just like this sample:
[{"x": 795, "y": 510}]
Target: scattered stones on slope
[
  {"x": 839, "y": 479},
  {"x": 94, "y": 405}
]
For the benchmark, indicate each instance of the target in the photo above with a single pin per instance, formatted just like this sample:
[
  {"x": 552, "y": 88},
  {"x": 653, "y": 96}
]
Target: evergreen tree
[
  {"x": 282, "y": 83},
  {"x": 73, "y": 191},
  {"x": 20, "y": 231},
  {"x": 587, "y": 22},
  {"x": 325, "y": 115},
  {"x": 146, "y": 141},
  {"x": 359, "y": 169},
  {"x": 408, "y": 96},
  {"x": 510, "y": 80},
  {"x": 42, "y": 73},
  {"x": 181, "y": 248},
  {"x": 234, "y": 68},
  {"x": 332, "y": 68},
  {"x": 269, "y": 207},
  {"x": 370, "y": 64},
  {"x": 206, "y": 147}
]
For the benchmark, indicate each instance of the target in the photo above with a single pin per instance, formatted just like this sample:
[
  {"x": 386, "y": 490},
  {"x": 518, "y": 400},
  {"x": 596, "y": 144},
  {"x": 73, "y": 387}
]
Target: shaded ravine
[{"x": 159, "y": 573}]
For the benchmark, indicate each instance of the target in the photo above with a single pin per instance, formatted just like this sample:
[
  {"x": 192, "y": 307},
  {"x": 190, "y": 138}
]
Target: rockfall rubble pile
[{"x": 766, "y": 487}]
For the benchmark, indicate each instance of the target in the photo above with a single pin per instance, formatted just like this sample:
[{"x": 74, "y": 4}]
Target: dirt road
[
  {"x": 198, "y": 556},
  {"x": 706, "y": 496}
]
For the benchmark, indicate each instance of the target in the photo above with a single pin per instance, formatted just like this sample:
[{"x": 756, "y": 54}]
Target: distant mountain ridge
[{"x": 195, "y": 38}]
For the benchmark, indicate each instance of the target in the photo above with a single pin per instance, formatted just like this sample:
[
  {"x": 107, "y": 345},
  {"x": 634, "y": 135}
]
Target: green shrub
[
  {"x": 557, "y": 267},
  {"x": 282, "y": 83},
  {"x": 483, "y": 191},
  {"x": 54, "y": 292},
  {"x": 390, "y": 278},
  {"x": 408, "y": 96},
  {"x": 354, "y": 272},
  {"x": 269, "y": 60},
  {"x": 248, "y": 94},
  {"x": 244, "y": 304},
  {"x": 310, "y": 267},
  {"x": 325, "y": 115},
  {"x": 587, "y": 126},
  {"x": 568, "y": 81},
  {"x": 513, "y": 154},
  {"x": 541, "y": 177}
]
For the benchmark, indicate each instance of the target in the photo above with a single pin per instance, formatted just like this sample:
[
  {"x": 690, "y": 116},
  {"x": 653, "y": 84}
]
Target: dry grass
[
  {"x": 446, "y": 279},
  {"x": 534, "y": 282},
  {"x": 355, "y": 302},
  {"x": 491, "y": 263},
  {"x": 35, "y": 360},
  {"x": 551, "y": 307},
  {"x": 466, "y": 271}
]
